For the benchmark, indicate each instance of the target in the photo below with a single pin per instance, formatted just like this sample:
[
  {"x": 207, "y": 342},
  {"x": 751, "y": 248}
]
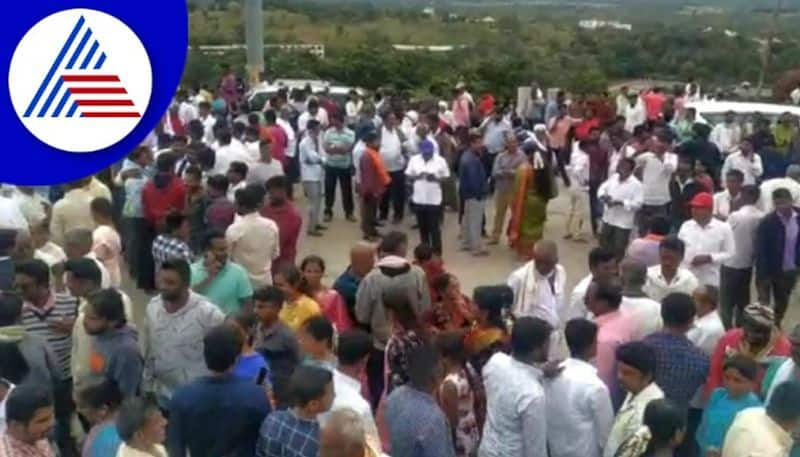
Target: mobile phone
[{"x": 262, "y": 376}]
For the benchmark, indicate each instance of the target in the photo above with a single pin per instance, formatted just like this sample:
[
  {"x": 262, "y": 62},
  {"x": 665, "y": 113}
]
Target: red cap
[{"x": 702, "y": 200}]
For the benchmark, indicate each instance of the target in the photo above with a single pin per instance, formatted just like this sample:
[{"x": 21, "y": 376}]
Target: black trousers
[
  {"x": 146, "y": 275},
  {"x": 429, "y": 219},
  {"x": 734, "y": 295},
  {"x": 396, "y": 194},
  {"x": 345, "y": 178},
  {"x": 595, "y": 208},
  {"x": 375, "y": 377},
  {"x": 778, "y": 288},
  {"x": 64, "y": 408},
  {"x": 615, "y": 239},
  {"x": 369, "y": 216}
]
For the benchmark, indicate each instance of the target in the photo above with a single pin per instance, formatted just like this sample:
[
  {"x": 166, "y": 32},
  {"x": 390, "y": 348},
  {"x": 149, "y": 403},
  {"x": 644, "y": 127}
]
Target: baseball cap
[{"x": 702, "y": 200}]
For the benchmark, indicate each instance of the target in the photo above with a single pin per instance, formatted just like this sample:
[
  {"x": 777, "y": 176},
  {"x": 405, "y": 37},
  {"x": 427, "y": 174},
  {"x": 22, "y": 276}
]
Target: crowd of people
[{"x": 244, "y": 350}]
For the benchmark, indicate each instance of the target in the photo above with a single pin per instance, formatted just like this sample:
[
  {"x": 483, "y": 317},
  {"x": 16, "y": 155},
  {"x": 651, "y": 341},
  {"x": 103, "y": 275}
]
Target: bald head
[
  {"x": 634, "y": 274},
  {"x": 545, "y": 254},
  {"x": 362, "y": 258},
  {"x": 342, "y": 435},
  {"x": 77, "y": 243}
]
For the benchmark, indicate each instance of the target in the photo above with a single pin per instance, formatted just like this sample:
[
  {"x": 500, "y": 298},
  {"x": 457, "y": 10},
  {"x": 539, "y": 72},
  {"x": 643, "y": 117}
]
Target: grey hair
[
  {"x": 349, "y": 425},
  {"x": 78, "y": 237}
]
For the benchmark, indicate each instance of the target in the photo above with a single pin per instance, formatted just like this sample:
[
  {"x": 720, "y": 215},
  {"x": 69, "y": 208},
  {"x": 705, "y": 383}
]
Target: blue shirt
[
  {"x": 472, "y": 176},
  {"x": 248, "y": 367},
  {"x": 719, "y": 415},
  {"x": 417, "y": 426},
  {"x": 216, "y": 415},
  {"x": 283, "y": 434},
  {"x": 681, "y": 367}
]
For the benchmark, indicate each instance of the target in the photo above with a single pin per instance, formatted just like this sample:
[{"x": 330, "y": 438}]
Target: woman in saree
[{"x": 534, "y": 187}]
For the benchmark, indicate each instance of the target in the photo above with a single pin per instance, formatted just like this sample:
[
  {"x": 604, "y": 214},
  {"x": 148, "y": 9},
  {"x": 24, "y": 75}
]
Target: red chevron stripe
[
  {"x": 104, "y": 102},
  {"x": 98, "y": 90},
  {"x": 112, "y": 115},
  {"x": 90, "y": 78}
]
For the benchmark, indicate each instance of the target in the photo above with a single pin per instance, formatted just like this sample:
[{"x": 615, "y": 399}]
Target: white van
[{"x": 713, "y": 112}]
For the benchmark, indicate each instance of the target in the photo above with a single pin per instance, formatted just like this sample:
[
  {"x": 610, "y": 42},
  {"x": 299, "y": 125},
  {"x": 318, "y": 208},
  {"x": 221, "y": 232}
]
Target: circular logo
[{"x": 80, "y": 80}]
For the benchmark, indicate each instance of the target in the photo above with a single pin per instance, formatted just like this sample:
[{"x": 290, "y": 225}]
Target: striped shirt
[{"x": 38, "y": 322}]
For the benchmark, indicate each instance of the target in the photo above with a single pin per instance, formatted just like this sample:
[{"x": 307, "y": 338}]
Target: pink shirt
[
  {"x": 461, "y": 111},
  {"x": 613, "y": 329},
  {"x": 107, "y": 247}
]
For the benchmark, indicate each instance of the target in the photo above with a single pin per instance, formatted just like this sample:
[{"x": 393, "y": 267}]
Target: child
[
  {"x": 296, "y": 431},
  {"x": 237, "y": 173},
  {"x": 106, "y": 243},
  {"x": 456, "y": 396},
  {"x": 299, "y": 306},
  {"x": 725, "y": 402},
  {"x": 316, "y": 340},
  {"x": 250, "y": 363},
  {"x": 275, "y": 341}
]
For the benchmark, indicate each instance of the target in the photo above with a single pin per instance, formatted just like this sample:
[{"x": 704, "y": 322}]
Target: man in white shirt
[
  {"x": 579, "y": 411},
  {"x": 791, "y": 183},
  {"x": 668, "y": 276},
  {"x": 426, "y": 171},
  {"x": 727, "y": 135},
  {"x": 578, "y": 170},
  {"x": 709, "y": 241},
  {"x": 391, "y": 149},
  {"x": 635, "y": 301},
  {"x": 11, "y": 216},
  {"x": 656, "y": 169},
  {"x": 312, "y": 160},
  {"x": 253, "y": 240},
  {"x": 187, "y": 112},
  {"x": 33, "y": 206},
  {"x": 746, "y": 161},
  {"x": 228, "y": 150},
  {"x": 636, "y": 362},
  {"x": 795, "y": 95},
  {"x": 539, "y": 291},
  {"x": 737, "y": 272},
  {"x": 352, "y": 351},
  {"x": 515, "y": 399},
  {"x": 622, "y": 196},
  {"x": 727, "y": 201},
  {"x": 314, "y": 112},
  {"x": 766, "y": 431},
  {"x": 603, "y": 266},
  {"x": 707, "y": 329},
  {"x": 71, "y": 212},
  {"x": 208, "y": 120},
  {"x": 291, "y": 135}
]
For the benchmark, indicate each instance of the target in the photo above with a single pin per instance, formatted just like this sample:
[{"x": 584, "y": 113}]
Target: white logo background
[{"x": 126, "y": 58}]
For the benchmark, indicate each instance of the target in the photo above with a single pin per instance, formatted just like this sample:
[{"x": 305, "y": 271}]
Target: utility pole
[
  {"x": 766, "y": 57},
  {"x": 253, "y": 12}
]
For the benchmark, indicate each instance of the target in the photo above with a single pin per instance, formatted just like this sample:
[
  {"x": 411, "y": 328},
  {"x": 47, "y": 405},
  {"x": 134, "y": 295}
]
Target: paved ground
[{"x": 334, "y": 247}]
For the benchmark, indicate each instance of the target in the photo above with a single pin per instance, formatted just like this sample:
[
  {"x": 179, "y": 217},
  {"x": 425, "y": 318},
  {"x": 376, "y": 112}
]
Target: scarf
[
  {"x": 746, "y": 350},
  {"x": 12, "y": 334},
  {"x": 636, "y": 445},
  {"x": 377, "y": 162}
]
